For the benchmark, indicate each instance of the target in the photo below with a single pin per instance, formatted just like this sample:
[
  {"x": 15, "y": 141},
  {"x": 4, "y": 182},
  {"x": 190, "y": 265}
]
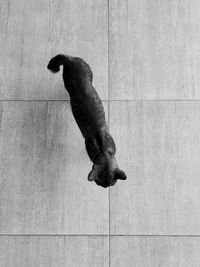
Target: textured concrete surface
[
  {"x": 159, "y": 146},
  {"x": 155, "y": 251},
  {"x": 54, "y": 251},
  {"x": 32, "y": 32},
  {"x": 154, "y": 49},
  {"x": 145, "y": 56},
  {"x": 44, "y": 169}
]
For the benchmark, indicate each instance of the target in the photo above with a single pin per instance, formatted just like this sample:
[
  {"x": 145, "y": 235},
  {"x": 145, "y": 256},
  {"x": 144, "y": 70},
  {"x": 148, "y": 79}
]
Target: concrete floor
[{"x": 145, "y": 56}]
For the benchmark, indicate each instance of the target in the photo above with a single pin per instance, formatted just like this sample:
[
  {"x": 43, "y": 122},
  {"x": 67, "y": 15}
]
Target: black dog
[{"x": 89, "y": 114}]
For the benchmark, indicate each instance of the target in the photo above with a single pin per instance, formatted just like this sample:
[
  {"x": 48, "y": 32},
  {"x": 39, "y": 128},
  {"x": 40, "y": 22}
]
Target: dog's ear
[
  {"x": 93, "y": 175},
  {"x": 95, "y": 172},
  {"x": 119, "y": 175}
]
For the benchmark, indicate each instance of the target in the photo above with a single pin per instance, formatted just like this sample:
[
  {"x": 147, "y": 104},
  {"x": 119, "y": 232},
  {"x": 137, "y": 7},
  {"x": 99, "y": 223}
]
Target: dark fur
[{"x": 89, "y": 114}]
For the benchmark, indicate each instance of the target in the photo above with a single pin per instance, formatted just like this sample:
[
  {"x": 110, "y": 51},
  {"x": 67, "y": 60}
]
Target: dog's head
[{"x": 107, "y": 173}]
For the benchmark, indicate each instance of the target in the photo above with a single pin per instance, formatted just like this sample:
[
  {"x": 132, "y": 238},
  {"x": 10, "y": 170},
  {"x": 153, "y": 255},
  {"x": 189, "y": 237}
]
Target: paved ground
[{"x": 145, "y": 56}]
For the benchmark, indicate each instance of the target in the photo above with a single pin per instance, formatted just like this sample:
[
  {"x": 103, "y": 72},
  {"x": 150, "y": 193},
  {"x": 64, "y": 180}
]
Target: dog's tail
[{"x": 57, "y": 61}]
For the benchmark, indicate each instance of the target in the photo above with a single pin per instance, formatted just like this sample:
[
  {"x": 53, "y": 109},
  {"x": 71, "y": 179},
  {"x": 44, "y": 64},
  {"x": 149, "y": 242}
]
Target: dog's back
[{"x": 85, "y": 102}]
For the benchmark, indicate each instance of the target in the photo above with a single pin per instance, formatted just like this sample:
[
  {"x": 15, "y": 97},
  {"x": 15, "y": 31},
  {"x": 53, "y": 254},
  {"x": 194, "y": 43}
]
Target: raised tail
[{"x": 57, "y": 61}]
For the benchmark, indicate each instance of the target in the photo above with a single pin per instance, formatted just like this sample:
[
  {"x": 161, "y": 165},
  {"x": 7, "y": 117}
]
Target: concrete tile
[
  {"x": 34, "y": 31},
  {"x": 154, "y": 49},
  {"x": 43, "y": 172},
  {"x": 52, "y": 251},
  {"x": 158, "y": 146},
  {"x": 155, "y": 251}
]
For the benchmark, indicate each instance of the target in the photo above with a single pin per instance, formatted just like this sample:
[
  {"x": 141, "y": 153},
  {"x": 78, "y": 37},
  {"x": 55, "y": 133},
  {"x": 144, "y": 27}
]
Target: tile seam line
[
  {"x": 27, "y": 234},
  {"x": 104, "y": 100},
  {"x": 109, "y": 96},
  {"x": 156, "y": 235},
  {"x": 97, "y": 235}
]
